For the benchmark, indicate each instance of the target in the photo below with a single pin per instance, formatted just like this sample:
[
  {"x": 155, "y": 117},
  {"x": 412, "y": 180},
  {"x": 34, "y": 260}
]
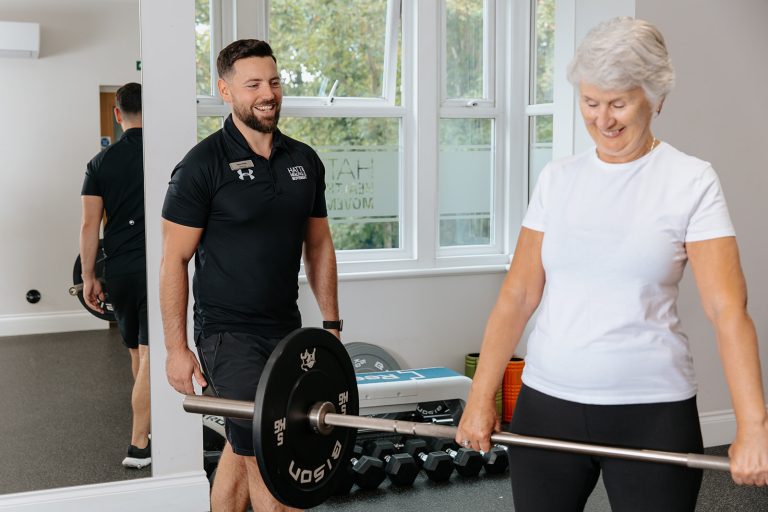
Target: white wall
[
  {"x": 422, "y": 321},
  {"x": 717, "y": 112},
  {"x": 49, "y": 131}
]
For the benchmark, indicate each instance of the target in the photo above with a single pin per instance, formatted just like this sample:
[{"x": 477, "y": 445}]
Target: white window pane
[
  {"x": 203, "y": 46},
  {"x": 465, "y": 175},
  {"x": 362, "y": 176},
  {"x": 539, "y": 149},
  {"x": 206, "y": 125},
  {"x": 464, "y": 41},
  {"x": 318, "y": 42},
  {"x": 543, "y": 49}
]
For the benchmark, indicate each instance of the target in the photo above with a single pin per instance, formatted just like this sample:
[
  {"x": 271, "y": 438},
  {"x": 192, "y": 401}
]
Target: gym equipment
[
  {"x": 76, "y": 290},
  {"x": 370, "y": 358},
  {"x": 308, "y": 388},
  {"x": 214, "y": 436},
  {"x": 403, "y": 390},
  {"x": 401, "y": 468},
  {"x": 495, "y": 461},
  {"x": 367, "y": 472},
  {"x": 468, "y": 462},
  {"x": 437, "y": 465}
]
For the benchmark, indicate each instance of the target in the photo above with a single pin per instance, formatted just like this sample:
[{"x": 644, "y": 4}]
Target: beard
[{"x": 246, "y": 115}]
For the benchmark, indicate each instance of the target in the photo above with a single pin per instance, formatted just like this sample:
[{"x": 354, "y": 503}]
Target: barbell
[
  {"x": 76, "y": 290},
  {"x": 306, "y": 412}
]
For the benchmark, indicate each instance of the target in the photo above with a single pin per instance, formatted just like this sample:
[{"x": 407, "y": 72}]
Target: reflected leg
[
  {"x": 140, "y": 401},
  {"x": 135, "y": 359},
  {"x": 230, "y": 492}
]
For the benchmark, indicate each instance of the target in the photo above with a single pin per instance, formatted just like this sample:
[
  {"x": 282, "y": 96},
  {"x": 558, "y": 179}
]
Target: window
[
  {"x": 408, "y": 105},
  {"x": 466, "y": 168},
  {"x": 362, "y": 176},
  {"x": 467, "y": 172},
  {"x": 540, "y": 98}
]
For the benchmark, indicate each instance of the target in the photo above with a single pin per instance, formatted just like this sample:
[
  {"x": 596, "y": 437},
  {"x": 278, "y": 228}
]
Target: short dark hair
[
  {"x": 128, "y": 98},
  {"x": 241, "y": 49}
]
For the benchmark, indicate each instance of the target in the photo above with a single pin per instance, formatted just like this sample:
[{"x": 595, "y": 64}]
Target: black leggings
[{"x": 544, "y": 480}]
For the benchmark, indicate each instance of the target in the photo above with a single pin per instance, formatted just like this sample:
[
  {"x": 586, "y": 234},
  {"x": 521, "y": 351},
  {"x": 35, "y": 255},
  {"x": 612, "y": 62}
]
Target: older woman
[{"x": 607, "y": 236}]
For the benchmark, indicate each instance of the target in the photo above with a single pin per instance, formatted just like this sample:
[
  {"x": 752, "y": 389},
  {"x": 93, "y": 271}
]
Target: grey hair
[{"x": 624, "y": 53}]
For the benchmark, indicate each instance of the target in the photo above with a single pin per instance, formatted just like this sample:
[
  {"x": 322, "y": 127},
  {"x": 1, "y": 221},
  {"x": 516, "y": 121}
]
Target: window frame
[{"x": 422, "y": 105}]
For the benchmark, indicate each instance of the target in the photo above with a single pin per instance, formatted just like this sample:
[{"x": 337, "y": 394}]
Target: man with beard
[{"x": 245, "y": 202}]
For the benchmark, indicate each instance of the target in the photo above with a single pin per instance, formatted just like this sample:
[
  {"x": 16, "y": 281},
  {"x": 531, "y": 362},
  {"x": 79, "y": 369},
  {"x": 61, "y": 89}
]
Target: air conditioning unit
[{"x": 19, "y": 39}]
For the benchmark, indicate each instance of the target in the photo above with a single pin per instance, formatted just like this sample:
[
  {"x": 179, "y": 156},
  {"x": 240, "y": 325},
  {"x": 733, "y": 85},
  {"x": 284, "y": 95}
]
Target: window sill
[{"x": 415, "y": 273}]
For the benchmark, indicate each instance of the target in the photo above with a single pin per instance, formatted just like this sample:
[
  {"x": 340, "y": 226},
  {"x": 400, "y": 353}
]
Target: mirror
[{"x": 65, "y": 374}]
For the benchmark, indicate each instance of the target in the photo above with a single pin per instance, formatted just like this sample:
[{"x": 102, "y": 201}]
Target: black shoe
[{"x": 138, "y": 457}]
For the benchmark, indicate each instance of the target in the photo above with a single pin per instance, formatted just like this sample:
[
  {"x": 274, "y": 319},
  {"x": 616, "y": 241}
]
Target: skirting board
[
  {"x": 184, "y": 492},
  {"x": 718, "y": 427},
  {"x": 44, "y": 323}
]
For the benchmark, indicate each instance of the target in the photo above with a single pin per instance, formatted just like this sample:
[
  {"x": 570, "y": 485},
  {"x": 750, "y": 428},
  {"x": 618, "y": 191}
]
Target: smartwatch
[{"x": 333, "y": 324}]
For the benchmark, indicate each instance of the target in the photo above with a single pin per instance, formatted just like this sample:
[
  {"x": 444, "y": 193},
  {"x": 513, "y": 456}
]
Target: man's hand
[
  {"x": 93, "y": 295},
  {"x": 180, "y": 366}
]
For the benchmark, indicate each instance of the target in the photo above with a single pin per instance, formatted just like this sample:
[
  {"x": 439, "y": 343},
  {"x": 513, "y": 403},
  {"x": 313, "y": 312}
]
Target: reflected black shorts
[
  {"x": 233, "y": 363},
  {"x": 551, "y": 480},
  {"x": 128, "y": 295}
]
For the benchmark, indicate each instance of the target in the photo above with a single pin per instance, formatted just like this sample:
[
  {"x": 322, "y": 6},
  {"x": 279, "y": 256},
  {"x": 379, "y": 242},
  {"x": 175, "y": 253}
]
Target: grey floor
[
  {"x": 493, "y": 493},
  {"x": 65, "y": 406}
]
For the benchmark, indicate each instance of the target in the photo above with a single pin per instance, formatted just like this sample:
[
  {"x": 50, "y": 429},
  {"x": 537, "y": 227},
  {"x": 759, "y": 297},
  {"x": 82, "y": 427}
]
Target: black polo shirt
[
  {"x": 117, "y": 175},
  {"x": 254, "y": 214}
]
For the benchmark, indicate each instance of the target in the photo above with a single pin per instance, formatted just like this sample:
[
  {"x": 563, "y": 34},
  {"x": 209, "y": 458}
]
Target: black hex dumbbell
[
  {"x": 467, "y": 462},
  {"x": 437, "y": 465},
  {"x": 401, "y": 468},
  {"x": 495, "y": 461},
  {"x": 366, "y": 472}
]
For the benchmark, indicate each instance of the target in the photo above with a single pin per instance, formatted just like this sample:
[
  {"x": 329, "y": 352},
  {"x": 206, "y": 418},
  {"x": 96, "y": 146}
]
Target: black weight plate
[
  {"x": 109, "y": 311},
  {"x": 300, "y": 467},
  {"x": 367, "y": 358},
  {"x": 370, "y": 358}
]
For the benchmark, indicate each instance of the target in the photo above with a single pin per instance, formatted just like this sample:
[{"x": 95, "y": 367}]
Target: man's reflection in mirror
[{"x": 114, "y": 187}]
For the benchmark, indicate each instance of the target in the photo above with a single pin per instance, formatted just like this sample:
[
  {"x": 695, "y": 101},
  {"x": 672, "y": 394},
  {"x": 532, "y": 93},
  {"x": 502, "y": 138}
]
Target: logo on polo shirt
[
  {"x": 297, "y": 173},
  {"x": 242, "y": 174},
  {"x": 239, "y": 166}
]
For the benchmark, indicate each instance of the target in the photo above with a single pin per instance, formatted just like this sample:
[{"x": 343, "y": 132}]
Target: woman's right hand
[{"x": 478, "y": 421}]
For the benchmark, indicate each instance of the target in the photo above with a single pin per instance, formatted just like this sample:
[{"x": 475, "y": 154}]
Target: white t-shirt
[{"x": 607, "y": 331}]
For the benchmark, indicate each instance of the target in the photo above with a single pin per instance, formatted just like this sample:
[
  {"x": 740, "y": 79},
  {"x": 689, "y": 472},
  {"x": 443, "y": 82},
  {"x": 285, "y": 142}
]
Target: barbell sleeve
[
  {"x": 321, "y": 416},
  {"x": 202, "y": 404}
]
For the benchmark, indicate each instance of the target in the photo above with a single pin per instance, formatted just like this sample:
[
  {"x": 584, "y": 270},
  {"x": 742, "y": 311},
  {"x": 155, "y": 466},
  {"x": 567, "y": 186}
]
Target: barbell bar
[
  {"x": 305, "y": 415},
  {"x": 322, "y": 416}
]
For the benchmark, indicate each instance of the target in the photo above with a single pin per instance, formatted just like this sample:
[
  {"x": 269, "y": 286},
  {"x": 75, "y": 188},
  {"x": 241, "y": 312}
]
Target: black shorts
[
  {"x": 128, "y": 295},
  {"x": 550, "y": 480},
  {"x": 232, "y": 363}
]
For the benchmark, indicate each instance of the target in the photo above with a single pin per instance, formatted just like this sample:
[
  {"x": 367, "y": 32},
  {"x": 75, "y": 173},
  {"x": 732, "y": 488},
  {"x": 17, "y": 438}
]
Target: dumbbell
[
  {"x": 467, "y": 462},
  {"x": 366, "y": 472},
  {"x": 401, "y": 468},
  {"x": 437, "y": 465},
  {"x": 496, "y": 460}
]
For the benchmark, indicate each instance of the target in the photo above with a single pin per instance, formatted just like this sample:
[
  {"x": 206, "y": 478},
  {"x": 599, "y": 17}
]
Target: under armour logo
[
  {"x": 244, "y": 174},
  {"x": 308, "y": 360}
]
